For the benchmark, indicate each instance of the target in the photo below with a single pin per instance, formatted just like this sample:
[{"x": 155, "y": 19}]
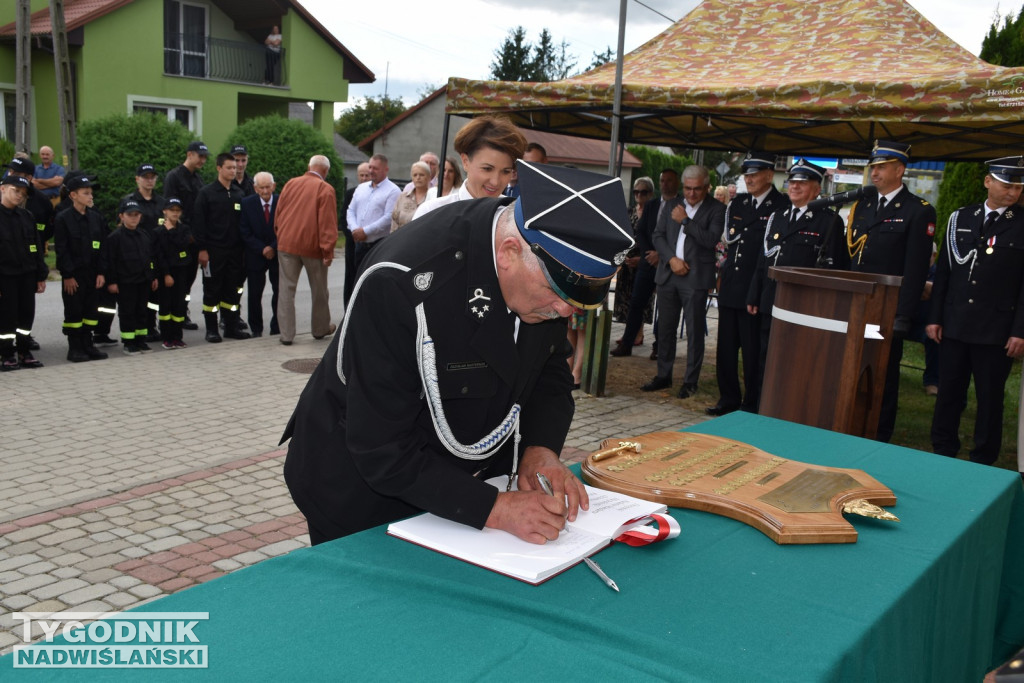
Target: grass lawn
[{"x": 914, "y": 420}]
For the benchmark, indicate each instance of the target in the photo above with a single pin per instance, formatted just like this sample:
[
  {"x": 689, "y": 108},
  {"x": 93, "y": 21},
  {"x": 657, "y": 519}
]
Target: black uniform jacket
[
  {"x": 216, "y": 215},
  {"x": 984, "y": 305},
  {"x": 127, "y": 257},
  {"x": 78, "y": 239},
  {"x": 899, "y": 242},
  {"x": 21, "y": 246},
  {"x": 152, "y": 210},
  {"x": 744, "y": 230},
  {"x": 366, "y": 451},
  {"x": 185, "y": 185},
  {"x": 172, "y": 248},
  {"x": 800, "y": 245}
]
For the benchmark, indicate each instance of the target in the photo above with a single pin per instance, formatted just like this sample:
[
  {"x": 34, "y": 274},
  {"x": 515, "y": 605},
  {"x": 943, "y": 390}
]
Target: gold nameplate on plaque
[{"x": 789, "y": 501}]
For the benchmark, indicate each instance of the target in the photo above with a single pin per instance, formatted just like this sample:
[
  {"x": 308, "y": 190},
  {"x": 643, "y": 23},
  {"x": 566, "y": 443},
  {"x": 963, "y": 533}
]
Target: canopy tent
[{"x": 788, "y": 76}]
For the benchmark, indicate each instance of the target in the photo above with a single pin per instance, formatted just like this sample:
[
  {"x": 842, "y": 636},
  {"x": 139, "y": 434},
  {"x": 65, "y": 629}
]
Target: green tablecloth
[{"x": 937, "y": 597}]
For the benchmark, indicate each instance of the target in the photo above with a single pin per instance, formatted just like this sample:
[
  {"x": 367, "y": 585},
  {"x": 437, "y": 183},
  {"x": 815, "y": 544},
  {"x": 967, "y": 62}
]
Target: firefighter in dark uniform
[
  {"x": 798, "y": 237},
  {"x": 745, "y": 220},
  {"x": 185, "y": 183},
  {"x": 215, "y": 228},
  {"x": 152, "y": 205},
  {"x": 243, "y": 179},
  {"x": 78, "y": 238},
  {"x": 22, "y": 275},
  {"x": 454, "y": 364},
  {"x": 37, "y": 204},
  {"x": 890, "y": 232},
  {"x": 128, "y": 263},
  {"x": 977, "y": 313},
  {"x": 174, "y": 242}
]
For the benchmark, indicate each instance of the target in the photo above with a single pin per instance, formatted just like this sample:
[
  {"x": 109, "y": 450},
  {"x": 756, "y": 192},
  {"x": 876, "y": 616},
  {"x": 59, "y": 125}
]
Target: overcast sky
[{"x": 410, "y": 44}]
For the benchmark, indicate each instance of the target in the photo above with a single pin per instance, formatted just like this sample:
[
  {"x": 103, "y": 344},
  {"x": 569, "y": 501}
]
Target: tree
[
  {"x": 112, "y": 147},
  {"x": 519, "y": 60},
  {"x": 283, "y": 148},
  {"x": 962, "y": 181},
  {"x": 512, "y": 61},
  {"x": 602, "y": 58},
  {"x": 367, "y": 117}
]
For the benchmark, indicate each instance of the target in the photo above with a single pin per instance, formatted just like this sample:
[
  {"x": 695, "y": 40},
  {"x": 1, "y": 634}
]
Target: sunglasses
[{"x": 641, "y": 191}]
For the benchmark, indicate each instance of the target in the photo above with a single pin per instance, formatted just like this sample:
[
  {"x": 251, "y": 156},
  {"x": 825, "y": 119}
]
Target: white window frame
[
  {"x": 13, "y": 89},
  {"x": 195, "y": 106}
]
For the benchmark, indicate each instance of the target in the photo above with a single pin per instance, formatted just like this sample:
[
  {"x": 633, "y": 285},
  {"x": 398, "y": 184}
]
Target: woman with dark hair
[
  {"x": 488, "y": 147},
  {"x": 452, "y": 180}
]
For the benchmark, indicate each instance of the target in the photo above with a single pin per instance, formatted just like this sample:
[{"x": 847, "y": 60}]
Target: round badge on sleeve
[{"x": 620, "y": 258}]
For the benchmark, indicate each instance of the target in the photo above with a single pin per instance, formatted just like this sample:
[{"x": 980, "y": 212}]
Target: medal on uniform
[{"x": 991, "y": 243}]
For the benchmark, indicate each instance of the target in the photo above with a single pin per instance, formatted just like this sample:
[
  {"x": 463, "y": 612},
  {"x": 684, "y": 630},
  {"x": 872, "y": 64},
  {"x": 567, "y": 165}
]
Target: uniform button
[
  {"x": 465, "y": 390},
  {"x": 458, "y": 256},
  {"x": 551, "y": 349},
  {"x": 974, "y": 282},
  {"x": 970, "y": 301},
  {"x": 737, "y": 267}
]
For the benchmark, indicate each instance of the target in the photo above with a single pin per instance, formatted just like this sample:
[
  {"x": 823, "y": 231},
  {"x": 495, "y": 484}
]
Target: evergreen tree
[
  {"x": 513, "y": 60},
  {"x": 962, "y": 181},
  {"x": 367, "y": 117},
  {"x": 519, "y": 60}
]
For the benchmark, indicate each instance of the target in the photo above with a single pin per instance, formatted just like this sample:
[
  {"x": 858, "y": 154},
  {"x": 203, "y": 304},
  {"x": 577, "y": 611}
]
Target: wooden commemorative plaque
[{"x": 789, "y": 501}]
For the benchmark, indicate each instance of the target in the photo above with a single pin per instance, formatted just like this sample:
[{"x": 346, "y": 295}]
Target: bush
[
  {"x": 962, "y": 184},
  {"x": 283, "y": 148},
  {"x": 112, "y": 147},
  {"x": 6, "y": 152}
]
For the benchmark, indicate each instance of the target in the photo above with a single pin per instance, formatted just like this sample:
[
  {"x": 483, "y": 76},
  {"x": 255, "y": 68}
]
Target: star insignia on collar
[
  {"x": 808, "y": 214},
  {"x": 1009, "y": 213},
  {"x": 977, "y": 212}
]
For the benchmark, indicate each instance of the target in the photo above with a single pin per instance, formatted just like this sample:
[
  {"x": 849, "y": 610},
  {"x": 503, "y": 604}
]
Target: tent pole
[
  {"x": 599, "y": 324},
  {"x": 444, "y": 153}
]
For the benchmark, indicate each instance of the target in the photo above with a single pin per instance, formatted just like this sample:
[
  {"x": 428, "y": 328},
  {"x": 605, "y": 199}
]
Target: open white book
[{"x": 610, "y": 515}]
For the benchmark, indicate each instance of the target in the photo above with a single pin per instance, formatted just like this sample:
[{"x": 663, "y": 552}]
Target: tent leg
[{"x": 595, "y": 352}]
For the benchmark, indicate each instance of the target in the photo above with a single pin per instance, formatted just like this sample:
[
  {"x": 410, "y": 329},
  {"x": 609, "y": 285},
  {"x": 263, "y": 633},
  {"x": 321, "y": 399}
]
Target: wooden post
[
  {"x": 65, "y": 84},
  {"x": 23, "y": 92}
]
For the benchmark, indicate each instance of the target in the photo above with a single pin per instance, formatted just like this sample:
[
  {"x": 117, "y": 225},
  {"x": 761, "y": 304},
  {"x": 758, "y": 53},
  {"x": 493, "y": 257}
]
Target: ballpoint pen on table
[{"x": 545, "y": 485}]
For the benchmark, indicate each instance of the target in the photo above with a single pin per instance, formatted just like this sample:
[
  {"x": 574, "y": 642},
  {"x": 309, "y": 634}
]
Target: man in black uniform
[
  {"x": 795, "y": 237},
  {"x": 184, "y": 183},
  {"x": 215, "y": 228},
  {"x": 890, "y": 232},
  {"x": 22, "y": 275},
  {"x": 453, "y": 347},
  {"x": 242, "y": 179},
  {"x": 152, "y": 206},
  {"x": 977, "y": 313},
  {"x": 745, "y": 220}
]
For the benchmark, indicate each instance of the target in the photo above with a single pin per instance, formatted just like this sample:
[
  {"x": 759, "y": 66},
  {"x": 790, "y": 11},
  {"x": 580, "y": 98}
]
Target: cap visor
[{"x": 572, "y": 287}]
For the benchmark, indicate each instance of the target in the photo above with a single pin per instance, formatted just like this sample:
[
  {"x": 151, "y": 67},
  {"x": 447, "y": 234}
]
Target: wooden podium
[{"x": 828, "y": 349}]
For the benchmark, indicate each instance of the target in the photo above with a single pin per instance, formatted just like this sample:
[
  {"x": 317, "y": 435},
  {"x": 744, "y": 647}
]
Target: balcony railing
[{"x": 224, "y": 60}]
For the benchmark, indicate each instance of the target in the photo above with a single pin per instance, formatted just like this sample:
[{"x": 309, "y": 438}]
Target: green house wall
[{"x": 122, "y": 57}]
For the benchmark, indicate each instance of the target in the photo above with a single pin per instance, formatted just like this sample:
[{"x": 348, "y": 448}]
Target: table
[{"x": 937, "y": 597}]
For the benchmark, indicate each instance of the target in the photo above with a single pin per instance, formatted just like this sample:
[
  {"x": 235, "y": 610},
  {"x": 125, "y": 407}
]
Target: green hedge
[
  {"x": 962, "y": 184},
  {"x": 283, "y": 148},
  {"x": 112, "y": 147}
]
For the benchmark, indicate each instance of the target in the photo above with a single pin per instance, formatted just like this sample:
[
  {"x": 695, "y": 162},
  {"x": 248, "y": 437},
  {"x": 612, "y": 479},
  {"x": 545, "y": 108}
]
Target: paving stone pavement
[{"x": 128, "y": 479}]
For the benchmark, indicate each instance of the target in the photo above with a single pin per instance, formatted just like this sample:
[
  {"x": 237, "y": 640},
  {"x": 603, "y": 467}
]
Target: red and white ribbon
[{"x": 640, "y": 531}]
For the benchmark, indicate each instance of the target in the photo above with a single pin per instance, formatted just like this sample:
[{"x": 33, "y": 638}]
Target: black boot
[
  {"x": 212, "y": 335},
  {"x": 76, "y": 354},
  {"x": 90, "y": 349},
  {"x": 233, "y": 326}
]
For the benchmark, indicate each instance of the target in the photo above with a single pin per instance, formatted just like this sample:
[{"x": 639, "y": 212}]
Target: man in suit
[
  {"x": 257, "y": 227},
  {"x": 685, "y": 237},
  {"x": 977, "y": 313},
  {"x": 890, "y": 233},
  {"x": 745, "y": 220},
  {"x": 794, "y": 237},
  {"x": 450, "y": 366},
  {"x": 643, "y": 281}
]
